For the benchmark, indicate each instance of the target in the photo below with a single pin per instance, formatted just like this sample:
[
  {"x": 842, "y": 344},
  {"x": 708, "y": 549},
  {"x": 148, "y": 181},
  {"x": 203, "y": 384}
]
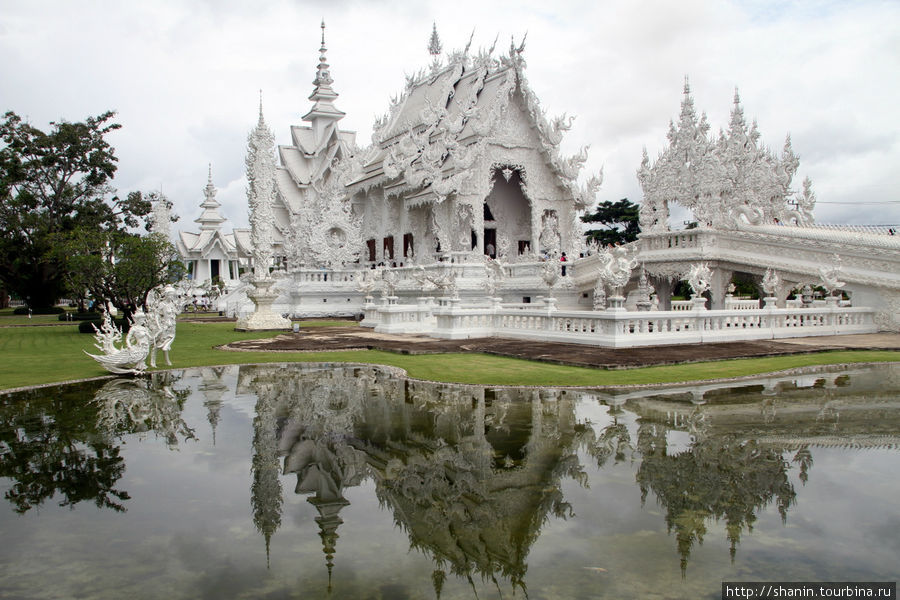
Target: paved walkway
[{"x": 345, "y": 338}]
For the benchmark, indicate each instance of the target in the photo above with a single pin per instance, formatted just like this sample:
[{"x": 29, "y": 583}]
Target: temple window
[{"x": 408, "y": 245}]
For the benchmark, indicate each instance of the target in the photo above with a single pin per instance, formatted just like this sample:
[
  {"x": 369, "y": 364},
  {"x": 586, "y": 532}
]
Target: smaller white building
[{"x": 213, "y": 255}]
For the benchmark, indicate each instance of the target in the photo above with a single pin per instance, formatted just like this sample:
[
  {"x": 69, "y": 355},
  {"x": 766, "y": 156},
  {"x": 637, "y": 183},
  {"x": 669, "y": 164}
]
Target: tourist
[{"x": 562, "y": 259}]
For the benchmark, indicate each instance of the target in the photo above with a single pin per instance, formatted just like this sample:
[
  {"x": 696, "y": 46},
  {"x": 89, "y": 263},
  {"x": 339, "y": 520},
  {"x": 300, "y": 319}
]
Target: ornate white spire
[
  {"x": 434, "y": 44},
  {"x": 323, "y": 76},
  {"x": 261, "y": 194},
  {"x": 323, "y": 112},
  {"x": 161, "y": 217},
  {"x": 210, "y": 219}
]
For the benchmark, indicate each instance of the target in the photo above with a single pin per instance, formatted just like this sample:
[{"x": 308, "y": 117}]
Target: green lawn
[{"x": 34, "y": 355}]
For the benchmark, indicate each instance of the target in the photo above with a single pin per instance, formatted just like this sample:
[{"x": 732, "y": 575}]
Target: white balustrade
[
  {"x": 621, "y": 328},
  {"x": 740, "y": 304}
]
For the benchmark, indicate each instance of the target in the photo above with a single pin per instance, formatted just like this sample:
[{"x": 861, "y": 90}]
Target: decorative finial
[
  {"x": 434, "y": 44},
  {"x": 737, "y": 97},
  {"x": 260, "y": 106},
  {"x": 209, "y": 179},
  {"x": 687, "y": 86},
  {"x": 323, "y": 77}
]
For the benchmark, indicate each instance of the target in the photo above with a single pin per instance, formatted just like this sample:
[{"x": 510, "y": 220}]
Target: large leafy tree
[
  {"x": 620, "y": 221},
  {"x": 53, "y": 185},
  {"x": 119, "y": 266}
]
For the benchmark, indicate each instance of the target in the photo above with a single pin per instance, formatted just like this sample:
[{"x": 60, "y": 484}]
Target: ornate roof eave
[{"x": 217, "y": 238}]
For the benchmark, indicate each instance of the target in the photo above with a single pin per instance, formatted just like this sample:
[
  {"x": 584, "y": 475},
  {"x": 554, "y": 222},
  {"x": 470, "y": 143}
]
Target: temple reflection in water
[{"x": 470, "y": 475}]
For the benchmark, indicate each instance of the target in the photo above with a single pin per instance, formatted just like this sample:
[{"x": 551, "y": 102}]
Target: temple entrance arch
[{"x": 507, "y": 214}]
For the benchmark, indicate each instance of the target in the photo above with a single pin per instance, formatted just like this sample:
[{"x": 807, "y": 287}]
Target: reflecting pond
[{"x": 288, "y": 481}]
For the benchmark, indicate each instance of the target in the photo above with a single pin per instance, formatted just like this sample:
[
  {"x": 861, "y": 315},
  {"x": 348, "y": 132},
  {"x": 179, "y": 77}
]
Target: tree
[
  {"x": 120, "y": 266},
  {"x": 620, "y": 221},
  {"x": 52, "y": 184}
]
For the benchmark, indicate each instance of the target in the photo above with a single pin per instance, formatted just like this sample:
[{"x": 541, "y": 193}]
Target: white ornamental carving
[
  {"x": 130, "y": 357},
  {"x": 699, "y": 278},
  {"x": 493, "y": 275},
  {"x": 260, "y": 163},
  {"x": 723, "y": 181},
  {"x": 616, "y": 263},
  {"x": 831, "y": 275},
  {"x": 771, "y": 282},
  {"x": 162, "y": 311},
  {"x": 441, "y": 277}
]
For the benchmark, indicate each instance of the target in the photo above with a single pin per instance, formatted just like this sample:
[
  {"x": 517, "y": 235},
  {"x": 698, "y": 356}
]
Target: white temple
[
  {"x": 465, "y": 216},
  {"x": 211, "y": 254}
]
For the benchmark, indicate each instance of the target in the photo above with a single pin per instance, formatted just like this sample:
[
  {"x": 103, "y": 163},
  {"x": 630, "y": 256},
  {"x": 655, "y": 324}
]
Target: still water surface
[{"x": 287, "y": 481}]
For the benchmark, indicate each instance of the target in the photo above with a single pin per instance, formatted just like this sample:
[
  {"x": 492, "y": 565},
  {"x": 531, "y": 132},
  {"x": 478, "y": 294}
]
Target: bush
[
  {"x": 80, "y": 316},
  {"x": 40, "y": 310},
  {"x": 88, "y": 326}
]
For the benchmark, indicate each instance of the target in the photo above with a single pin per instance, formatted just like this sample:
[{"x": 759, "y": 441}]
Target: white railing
[
  {"x": 679, "y": 305},
  {"x": 624, "y": 328},
  {"x": 330, "y": 276},
  {"x": 740, "y": 303}
]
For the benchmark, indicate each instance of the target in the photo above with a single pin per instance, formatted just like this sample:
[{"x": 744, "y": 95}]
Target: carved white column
[{"x": 260, "y": 195}]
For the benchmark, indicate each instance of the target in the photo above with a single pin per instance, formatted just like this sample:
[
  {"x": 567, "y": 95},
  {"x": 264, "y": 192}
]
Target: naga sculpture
[{"x": 130, "y": 358}]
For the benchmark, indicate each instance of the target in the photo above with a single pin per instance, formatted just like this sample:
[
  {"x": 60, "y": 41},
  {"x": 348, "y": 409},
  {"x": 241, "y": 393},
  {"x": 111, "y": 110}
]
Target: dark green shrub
[{"x": 40, "y": 310}]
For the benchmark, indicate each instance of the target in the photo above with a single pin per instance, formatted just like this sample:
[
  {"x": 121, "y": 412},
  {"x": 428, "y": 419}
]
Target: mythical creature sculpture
[
  {"x": 699, "y": 278},
  {"x": 444, "y": 279},
  {"x": 390, "y": 279},
  {"x": 550, "y": 274},
  {"x": 549, "y": 239},
  {"x": 618, "y": 263},
  {"x": 493, "y": 274},
  {"x": 831, "y": 275},
  {"x": 771, "y": 282},
  {"x": 599, "y": 295},
  {"x": 131, "y": 357},
  {"x": 367, "y": 282},
  {"x": 645, "y": 292},
  {"x": 162, "y": 310}
]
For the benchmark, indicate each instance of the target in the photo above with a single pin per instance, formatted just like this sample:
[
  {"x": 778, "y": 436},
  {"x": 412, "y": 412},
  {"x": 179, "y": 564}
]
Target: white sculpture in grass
[
  {"x": 162, "y": 311},
  {"x": 130, "y": 358}
]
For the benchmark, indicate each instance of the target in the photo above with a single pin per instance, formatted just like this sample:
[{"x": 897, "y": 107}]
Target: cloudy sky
[{"x": 184, "y": 77}]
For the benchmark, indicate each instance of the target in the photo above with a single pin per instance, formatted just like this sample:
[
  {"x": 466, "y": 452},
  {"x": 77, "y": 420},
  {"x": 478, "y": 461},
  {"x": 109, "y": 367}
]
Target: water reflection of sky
[{"x": 411, "y": 498}]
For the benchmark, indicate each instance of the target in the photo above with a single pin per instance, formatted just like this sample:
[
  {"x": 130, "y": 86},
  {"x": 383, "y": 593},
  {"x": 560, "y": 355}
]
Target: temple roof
[
  {"x": 200, "y": 244},
  {"x": 309, "y": 158},
  {"x": 435, "y": 134}
]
